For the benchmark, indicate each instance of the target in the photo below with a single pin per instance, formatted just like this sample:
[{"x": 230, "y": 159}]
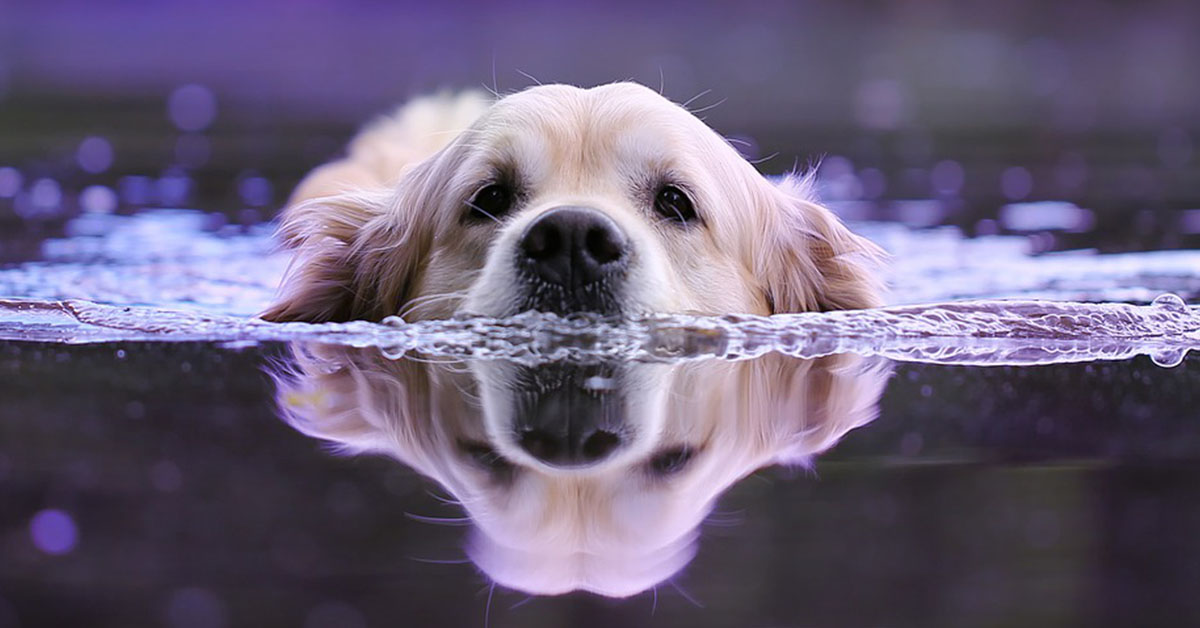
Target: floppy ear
[
  {"x": 812, "y": 262},
  {"x": 326, "y": 235},
  {"x": 358, "y": 254}
]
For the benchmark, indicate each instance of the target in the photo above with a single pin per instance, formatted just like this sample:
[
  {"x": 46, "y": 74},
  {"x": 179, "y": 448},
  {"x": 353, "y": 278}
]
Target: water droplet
[
  {"x": 1168, "y": 358},
  {"x": 1169, "y": 301}
]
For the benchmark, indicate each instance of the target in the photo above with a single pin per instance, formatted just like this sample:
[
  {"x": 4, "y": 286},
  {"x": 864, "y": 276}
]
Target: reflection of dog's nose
[
  {"x": 573, "y": 246},
  {"x": 568, "y": 449}
]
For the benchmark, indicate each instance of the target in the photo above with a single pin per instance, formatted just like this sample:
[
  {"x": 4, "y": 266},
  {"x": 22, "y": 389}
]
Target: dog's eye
[
  {"x": 491, "y": 202},
  {"x": 673, "y": 204},
  {"x": 487, "y": 457},
  {"x": 671, "y": 461}
]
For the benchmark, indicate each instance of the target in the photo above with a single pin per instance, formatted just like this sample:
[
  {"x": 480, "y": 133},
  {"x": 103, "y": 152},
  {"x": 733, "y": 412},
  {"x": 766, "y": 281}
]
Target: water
[{"x": 1013, "y": 439}]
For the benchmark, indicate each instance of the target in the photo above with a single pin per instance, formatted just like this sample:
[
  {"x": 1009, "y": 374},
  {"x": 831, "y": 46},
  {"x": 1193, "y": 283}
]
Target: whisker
[
  {"x": 693, "y": 98},
  {"x": 687, "y": 596},
  {"x": 529, "y": 76},
  {"x": 482, "y": 211},
  {"x": 440, "y": 561},
  {"x": 495, "y": 83},
  {"x": 446, "y": 521},
  {"x": 487, "y": 611},
  {"x": 708, "y": 107},
  {"x": 522, "y": 602},
  {"x": 760, "y": 160}
]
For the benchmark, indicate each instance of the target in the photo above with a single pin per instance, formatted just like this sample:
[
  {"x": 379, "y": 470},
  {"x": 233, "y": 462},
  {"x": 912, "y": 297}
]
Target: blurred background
[
  {"x": 148, "y": 482},
  {"x": 967, "y": 113}
]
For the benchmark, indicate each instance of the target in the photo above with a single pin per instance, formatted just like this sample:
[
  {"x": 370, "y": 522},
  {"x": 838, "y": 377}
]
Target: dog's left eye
[
  {"x": 673, "y": 204},
  {"x": 671, "y": 461},
  {"x": 491, "y": 202}
]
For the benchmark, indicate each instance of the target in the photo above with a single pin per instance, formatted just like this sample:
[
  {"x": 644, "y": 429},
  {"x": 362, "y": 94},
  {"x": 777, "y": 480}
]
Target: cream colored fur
[{"x": 380, "y": 232}]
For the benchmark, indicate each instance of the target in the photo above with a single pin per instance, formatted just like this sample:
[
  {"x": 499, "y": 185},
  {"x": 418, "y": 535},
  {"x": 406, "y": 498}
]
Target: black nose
[{"x": 573, "y": 246}]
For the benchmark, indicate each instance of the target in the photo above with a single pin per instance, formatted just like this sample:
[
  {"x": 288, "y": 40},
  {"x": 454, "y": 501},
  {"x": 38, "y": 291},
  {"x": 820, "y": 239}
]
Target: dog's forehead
[{"x": 556, "y": 124}]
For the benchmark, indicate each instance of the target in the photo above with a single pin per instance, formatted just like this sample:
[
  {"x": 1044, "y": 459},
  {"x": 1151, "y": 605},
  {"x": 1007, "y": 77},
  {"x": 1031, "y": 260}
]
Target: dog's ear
[
  {"x": 326, "y": 234},
  {"x": 358, "y": 254},
  {"x": 812, "y": 262}
]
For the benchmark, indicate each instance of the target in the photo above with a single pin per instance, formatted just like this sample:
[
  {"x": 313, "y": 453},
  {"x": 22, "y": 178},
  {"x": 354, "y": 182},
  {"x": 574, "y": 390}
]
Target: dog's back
[{"x": 380, "y": 152}]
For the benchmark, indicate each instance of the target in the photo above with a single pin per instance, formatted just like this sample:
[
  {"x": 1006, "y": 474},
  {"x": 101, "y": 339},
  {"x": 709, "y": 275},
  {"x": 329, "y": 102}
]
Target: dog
[
  {"x": 559, "y": 199},
  {"x": 580, "y": 475}
]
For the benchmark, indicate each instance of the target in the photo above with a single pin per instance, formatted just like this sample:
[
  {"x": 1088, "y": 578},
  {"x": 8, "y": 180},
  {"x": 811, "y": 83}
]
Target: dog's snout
[{"x": 574, "y": 246}]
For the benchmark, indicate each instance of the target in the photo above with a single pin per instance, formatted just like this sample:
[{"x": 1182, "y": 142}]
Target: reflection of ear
[
  {"x": 813, "y": 262},
  {"x": 814, "y": 403},
  {"x": 355, "y": 399}
]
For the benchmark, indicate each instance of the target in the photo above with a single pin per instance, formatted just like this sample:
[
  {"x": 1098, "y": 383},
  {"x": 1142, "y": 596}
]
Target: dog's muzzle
[{"x": 572, "y": 259}]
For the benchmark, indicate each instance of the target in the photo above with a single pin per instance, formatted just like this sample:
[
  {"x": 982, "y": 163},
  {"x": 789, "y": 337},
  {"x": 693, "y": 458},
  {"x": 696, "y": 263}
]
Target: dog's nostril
[
  {"x": 602, "y": 245},
  {"x": 542, "y": 242},
  {"x": 599, "y": 444},
  {"x": 541, "y": 445}
]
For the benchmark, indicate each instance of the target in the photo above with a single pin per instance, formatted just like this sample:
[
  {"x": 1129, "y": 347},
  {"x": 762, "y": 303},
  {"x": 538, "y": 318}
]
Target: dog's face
[
  {"x": 610, "y": 200},
  {"x": 590, "y": 476}
]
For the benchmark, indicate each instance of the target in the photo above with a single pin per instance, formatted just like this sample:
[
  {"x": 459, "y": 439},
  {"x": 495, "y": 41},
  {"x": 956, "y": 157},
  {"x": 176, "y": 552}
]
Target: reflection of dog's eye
[
  {"x": 671, "y": 461},
  {"x": 491, "y": 202},
  {"x": 672, "y": 204},
  {"x": 487, "y": 457}
]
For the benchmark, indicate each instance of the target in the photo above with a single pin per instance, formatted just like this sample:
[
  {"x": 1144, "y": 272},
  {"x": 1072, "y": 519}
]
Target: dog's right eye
[
  {"x": 487, "y": 458},
  {"x": 491, "y": 202},
  {"x": 673, "y": 205}
]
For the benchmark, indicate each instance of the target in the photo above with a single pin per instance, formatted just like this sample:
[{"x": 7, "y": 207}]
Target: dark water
[
  {"x": 153, "y": 484},
  {"x": 166, "y": 461}
]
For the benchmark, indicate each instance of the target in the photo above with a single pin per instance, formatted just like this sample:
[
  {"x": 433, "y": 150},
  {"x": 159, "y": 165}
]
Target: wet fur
[{"x": 380, "y": 233}]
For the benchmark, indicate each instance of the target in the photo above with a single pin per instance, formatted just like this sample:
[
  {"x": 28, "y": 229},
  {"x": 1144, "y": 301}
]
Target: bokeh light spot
[
  {"x": 192, "y": 107},
  {"x": 54, "y": 532}
]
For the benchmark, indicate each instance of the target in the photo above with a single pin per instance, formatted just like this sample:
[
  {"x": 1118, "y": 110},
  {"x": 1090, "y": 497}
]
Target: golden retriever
[
  {"x": 559, "y": 199},
  {"x": 560, "y": 514}
]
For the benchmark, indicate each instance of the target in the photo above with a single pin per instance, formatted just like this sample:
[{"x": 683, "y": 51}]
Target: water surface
[{"x": 1013, "y": 439}]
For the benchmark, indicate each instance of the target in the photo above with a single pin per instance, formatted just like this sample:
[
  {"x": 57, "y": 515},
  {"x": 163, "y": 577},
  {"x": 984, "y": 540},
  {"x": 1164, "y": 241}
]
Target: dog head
[
  {"x": 611, "y": 200},
  {"x": 581, "y": 476}
]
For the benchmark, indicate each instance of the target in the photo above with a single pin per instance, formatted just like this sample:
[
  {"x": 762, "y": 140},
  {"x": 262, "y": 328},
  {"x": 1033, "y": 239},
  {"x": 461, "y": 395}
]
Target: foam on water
[{"x": 183, "y": 276}]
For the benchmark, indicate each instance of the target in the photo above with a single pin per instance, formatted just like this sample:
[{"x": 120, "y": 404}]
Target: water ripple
[{"x": 985, "y": 332}]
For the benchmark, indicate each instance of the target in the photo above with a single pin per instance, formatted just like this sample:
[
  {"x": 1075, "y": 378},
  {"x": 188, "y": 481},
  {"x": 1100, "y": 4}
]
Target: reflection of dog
[
  {"x": 581, "y": 476},
  {"x": 610, "y": 200}
]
